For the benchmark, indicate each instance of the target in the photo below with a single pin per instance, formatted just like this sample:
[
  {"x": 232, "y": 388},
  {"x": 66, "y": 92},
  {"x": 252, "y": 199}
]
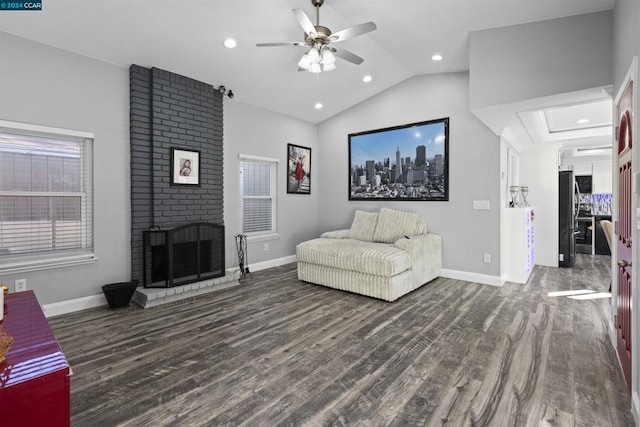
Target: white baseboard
[
  {"x": 277, "y": 262},
  {"x": 635, "y": 407},
  {"x": 69, "y": 306},
  {"x": 451, "y": 274},
  {"x": 64, "y": 307},
  {"x": 467, "y": 276}
]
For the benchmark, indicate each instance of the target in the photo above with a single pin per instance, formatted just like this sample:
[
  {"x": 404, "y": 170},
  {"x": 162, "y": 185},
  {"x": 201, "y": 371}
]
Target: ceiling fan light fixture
[
  {"x": 328, "y": 58},
  {"x": 314, "y": 55},
  {"x": 328, "y": 67},
  {"x": 315, "y": 68},
  {"x": 304, "y": 62}
]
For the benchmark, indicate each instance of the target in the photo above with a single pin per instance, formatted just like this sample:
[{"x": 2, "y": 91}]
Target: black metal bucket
[{"x": 119, "y": 294}]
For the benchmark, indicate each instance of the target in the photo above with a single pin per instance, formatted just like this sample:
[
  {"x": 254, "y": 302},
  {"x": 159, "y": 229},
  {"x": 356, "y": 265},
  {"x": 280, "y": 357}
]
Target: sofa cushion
[
  {"x": 393, "y": 225},
  {"x": 355, "y": 255},
  {"x": 363, "y": 226}
]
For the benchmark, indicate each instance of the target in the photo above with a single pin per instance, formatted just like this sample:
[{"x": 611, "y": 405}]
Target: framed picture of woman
[
  {"x": 185, "y": 167},
  {"x": 299, "y": 169}
]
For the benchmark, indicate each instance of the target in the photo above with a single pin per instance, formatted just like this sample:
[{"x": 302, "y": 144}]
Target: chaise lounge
[{"x": 383, "y": 255}]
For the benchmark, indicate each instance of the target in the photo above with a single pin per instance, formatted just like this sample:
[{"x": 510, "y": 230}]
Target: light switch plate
[{"x": 481, "y": 204}]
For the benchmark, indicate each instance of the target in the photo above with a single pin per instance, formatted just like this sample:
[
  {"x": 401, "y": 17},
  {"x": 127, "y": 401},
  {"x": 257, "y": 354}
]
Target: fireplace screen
[{"x": 184, "y": 254}]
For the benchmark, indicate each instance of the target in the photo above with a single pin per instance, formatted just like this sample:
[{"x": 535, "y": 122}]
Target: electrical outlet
[
  {"x": 487, "y": 258},
  {"x": 266, "y": 246},
  {"x": 20, "y": 285}
]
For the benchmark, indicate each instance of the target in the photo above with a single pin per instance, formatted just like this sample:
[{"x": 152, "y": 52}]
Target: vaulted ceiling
[{"x": 186, "y": 37}]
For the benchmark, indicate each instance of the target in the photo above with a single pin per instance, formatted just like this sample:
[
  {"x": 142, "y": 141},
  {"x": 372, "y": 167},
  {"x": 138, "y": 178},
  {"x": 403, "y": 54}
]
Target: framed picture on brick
[{"x": 185, "y": 167}]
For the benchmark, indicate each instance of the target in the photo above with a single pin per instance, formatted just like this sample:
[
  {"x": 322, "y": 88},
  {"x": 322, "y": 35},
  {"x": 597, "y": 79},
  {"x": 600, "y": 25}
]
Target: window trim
[
  {"x": 46, "y": 129},
  {"x": 273, "y": 233},
  {"x": 58, "y": 262},
  {"x": 30, "y": 262}
]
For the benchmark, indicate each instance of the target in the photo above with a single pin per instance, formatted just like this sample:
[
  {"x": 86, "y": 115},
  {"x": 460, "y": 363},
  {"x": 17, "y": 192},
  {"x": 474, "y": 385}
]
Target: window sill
[
  {"x": 27, "y": 267},
  {"x": 263, "y": 237}
]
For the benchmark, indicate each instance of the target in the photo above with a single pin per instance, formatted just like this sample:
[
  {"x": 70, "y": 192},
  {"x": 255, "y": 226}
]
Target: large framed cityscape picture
[{"x": 404, "y": 163}]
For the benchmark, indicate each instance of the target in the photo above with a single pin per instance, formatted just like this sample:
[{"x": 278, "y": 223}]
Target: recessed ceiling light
[
  {"x": 318, "y": 105},
  {"x": 230, "y": 43},
  {"x": 367, "y": 78},
  {"x": 582, "y": 121},
  {"x": 436, "y": 57}
]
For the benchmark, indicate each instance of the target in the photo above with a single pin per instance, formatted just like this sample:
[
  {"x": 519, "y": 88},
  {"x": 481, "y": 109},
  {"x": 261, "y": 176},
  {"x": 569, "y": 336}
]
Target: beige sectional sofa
[{"x": 383, "y": 255}]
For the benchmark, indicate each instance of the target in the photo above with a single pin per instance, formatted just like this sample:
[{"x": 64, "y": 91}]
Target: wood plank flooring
[{"x": 276, "y": 351}]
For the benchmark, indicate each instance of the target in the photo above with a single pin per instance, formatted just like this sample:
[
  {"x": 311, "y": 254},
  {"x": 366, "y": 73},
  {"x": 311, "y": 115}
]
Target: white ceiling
[
  {"x": 186, "y": 37},
  {"x": 589, "y": 121},
  {"x": 568, "y": 118}
]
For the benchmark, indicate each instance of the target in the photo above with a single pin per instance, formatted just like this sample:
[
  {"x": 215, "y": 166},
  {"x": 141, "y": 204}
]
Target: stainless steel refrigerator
[{"x": 567, "y": 211}]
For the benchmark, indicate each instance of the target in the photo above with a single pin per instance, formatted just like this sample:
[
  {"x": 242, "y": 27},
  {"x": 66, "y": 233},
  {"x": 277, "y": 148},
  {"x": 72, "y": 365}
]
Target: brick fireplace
[{"x": 169, "y": 111}]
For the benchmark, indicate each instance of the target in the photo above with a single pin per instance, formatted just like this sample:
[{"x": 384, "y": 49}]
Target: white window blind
[
  {"x": 46, "y": 197},
  {"x": 257, "y": 195}
]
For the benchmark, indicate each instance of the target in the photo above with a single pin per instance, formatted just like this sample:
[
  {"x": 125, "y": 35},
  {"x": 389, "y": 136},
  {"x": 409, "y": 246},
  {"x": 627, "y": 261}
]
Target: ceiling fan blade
[
  {"x": 351, "y": 32},
  {"x": 280, "y": 44},
  {"x": 305, "y": 22},
  {"x": 347, "y": 55}
]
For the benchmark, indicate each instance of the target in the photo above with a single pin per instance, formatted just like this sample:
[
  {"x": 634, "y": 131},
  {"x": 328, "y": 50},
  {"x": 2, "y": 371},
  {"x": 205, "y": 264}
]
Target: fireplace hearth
[{"x": 181, "y": 255}]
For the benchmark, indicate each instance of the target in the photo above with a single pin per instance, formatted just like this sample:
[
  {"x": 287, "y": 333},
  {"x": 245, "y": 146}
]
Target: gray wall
[
  {"x": 626, "y": 38},
  {"x": 529, "y": 61},
  {"x": 258, "y": 132},
  {"x": 474, "y": 163},
  {"x": 51, "y": 87}
]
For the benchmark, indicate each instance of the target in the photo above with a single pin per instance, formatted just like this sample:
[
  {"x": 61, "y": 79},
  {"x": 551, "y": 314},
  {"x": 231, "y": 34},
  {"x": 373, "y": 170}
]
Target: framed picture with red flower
[{"x": 299, "y": 169}]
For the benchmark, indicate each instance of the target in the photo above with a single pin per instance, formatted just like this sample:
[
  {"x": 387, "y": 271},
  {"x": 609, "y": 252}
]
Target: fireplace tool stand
[{"x": 243, "y": 255}]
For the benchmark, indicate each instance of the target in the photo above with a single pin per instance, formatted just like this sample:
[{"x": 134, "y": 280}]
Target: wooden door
[{"x": 624, "y": 112}]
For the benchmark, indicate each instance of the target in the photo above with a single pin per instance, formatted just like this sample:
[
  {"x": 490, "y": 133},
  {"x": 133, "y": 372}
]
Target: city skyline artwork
[{"x": 421, "y": 150}]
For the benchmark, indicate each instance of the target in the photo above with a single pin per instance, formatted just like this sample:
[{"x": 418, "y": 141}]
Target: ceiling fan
[{"x": 321, "y": 55}]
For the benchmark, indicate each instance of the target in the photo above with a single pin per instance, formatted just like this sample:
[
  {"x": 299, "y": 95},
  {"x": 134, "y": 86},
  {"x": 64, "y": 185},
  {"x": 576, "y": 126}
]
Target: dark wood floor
[{"x": 276, "y": 351}]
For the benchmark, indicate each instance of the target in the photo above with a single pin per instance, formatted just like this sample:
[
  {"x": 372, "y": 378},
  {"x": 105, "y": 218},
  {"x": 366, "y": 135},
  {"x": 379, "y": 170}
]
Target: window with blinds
[
  {"x": 46, "y": 197},
  {"x": 257, "y": 195}
]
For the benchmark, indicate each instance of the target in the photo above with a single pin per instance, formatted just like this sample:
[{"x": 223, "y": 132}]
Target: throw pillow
[
  {"x": 393, "y": 225},
  {"x": 363, "y": 226}
]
